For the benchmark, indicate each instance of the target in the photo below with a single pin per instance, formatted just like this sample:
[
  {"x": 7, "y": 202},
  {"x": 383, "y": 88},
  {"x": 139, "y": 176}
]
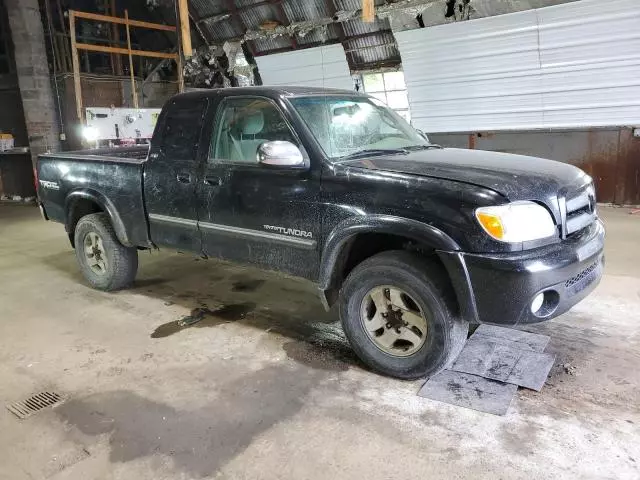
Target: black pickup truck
[{"x": 412, "y": 241}]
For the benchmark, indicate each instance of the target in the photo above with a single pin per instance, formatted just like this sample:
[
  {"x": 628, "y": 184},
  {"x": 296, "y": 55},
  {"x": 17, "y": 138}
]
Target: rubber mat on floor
[
  {"x": 470, "y": 391},
  {"x": 511, "y": 338},
  {"x": 489, "y": 369},
  {"x": 499, "y": 362}
]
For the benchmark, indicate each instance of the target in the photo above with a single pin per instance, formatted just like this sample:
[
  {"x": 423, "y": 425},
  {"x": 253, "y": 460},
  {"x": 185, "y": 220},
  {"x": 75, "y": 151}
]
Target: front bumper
[{"x": 500, "y": 288}]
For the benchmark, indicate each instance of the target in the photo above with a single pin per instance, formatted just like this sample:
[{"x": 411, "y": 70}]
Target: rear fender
[{"x": 107, "y": 206}]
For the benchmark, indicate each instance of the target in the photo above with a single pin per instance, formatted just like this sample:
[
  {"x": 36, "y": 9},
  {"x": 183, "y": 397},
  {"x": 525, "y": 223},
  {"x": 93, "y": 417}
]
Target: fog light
[{"x": 537, "y": 303}]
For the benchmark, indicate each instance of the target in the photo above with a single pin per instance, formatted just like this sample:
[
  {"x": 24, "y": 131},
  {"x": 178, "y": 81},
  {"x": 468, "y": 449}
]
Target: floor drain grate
[{"x": 35, "y": 403}]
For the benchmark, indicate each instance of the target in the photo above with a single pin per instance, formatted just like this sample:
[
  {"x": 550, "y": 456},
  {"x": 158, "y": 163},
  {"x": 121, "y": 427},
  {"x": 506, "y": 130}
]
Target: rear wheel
[
  {"x": 399, "y": 314},
  {"x": 104, "y": 261}
]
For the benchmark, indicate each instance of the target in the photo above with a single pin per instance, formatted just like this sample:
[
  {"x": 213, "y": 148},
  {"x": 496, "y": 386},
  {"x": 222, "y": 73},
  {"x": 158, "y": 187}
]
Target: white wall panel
[
  {"x": 576, "y": 64},
  {"x": 312, "y": 67},
  {"x": 590, "y": 63}
]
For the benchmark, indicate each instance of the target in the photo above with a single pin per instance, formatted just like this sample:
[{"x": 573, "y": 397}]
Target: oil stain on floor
[
  {"x": 327, "y": 357},
  {"x": 247, "y": 285},
  {"x": 200, "y": 441},
  {"x": 204, "y": 317}
]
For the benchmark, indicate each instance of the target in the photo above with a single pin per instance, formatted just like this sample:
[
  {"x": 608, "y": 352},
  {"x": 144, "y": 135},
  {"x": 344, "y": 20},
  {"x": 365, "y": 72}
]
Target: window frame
[
  {"x": 216, "y": 161},
  {"x": 385, "y": 91}
]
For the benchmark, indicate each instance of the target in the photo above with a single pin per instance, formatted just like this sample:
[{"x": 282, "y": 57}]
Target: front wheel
[
  {"x": 398, "y": 312},
  {"x": 104, "y": 261}
]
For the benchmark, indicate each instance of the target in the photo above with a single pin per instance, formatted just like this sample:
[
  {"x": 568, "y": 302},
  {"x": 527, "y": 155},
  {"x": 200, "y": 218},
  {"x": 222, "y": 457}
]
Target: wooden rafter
[
  {"x": 122, "y": 21},
  {"x": 75, "y": 46},
  {"x": 124, "y": 51},
  {"x": 185, "y": 28},
  {"x": 368, "y": 11}
]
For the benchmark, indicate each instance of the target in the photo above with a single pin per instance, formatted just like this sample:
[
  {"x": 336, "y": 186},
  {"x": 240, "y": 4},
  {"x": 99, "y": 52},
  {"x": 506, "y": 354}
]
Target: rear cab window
[{"x": 181, "y": 129}]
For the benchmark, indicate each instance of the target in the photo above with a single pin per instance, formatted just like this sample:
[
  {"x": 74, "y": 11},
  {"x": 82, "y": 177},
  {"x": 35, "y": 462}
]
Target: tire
[
  {"x": 426, "y": 286},
  {"x": 118, "y": 270}
]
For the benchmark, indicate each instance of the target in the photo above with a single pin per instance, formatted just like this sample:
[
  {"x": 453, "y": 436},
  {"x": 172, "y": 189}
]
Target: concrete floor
[{"x": 264, "y": 387}]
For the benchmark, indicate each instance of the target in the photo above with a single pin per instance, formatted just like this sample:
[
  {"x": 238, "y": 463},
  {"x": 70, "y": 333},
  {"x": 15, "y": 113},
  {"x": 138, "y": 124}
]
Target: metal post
[
  {"x": 76, "y": 66},
  {"x": 115, "y": 36},
  {"x": 134, "y": 91},
  {"x": 180, "y": 74}
]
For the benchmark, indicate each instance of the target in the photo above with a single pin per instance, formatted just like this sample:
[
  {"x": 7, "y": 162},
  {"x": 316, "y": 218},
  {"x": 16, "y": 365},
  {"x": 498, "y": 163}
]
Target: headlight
[{"x": 516, "y": 222}]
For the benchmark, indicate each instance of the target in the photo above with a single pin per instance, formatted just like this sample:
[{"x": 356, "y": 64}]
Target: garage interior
[{"x": 264, "y": 384}]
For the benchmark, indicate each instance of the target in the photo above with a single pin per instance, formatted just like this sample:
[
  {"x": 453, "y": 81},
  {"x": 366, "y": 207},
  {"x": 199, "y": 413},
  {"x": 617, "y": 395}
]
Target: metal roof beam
[
  {"x": 285, "y": 21},
  {"x": 366, "y": 35},
  {"x": 219, "y": 17},
  {"x": 237, "y": 19}
]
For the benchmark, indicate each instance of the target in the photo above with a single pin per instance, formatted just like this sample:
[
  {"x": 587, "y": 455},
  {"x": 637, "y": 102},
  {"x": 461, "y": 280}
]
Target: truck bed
[
  {"x": 110, "y": 178},
  {"x": 133, "y": 155}
]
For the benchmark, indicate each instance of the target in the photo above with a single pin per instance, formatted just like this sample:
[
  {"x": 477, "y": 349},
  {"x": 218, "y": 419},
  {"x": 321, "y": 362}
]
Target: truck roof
[{"x": 280, "y": 90}]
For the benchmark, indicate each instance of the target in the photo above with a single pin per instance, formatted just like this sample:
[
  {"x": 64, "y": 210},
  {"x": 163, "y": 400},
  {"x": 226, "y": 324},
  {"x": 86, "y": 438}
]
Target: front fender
[
  {"x": 337, "y": 241},
  {"x": 106, "y": 205}
]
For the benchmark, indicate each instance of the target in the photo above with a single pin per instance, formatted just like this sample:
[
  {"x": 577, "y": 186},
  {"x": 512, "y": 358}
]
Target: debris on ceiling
[
  {"x": 218, "y": 66},
  {"x": 425, "y": 13}
]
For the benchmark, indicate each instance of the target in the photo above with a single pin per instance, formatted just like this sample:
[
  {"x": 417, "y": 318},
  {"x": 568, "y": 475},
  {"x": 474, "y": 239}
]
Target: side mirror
[{"x": 280, "y": 154}]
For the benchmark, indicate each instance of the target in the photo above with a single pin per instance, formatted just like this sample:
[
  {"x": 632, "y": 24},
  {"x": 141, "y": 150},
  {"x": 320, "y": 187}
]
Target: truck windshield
[{"x": 348, "y": 125}]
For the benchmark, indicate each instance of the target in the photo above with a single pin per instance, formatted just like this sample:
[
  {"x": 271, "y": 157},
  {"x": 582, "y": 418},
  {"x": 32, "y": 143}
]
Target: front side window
[
  {"x": 243, "y": 125},
  {"x": 345, "y": 125}
]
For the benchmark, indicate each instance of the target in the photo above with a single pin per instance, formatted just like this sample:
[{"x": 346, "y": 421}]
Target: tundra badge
[
  {"x": 289, "y": 231},
  {"x": 49, "y": 185}
]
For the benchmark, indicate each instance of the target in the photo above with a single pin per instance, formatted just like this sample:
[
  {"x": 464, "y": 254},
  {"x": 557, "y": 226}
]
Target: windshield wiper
[
  {"x": 373, "y": 152},
  {"x": 423, "y": 147}
]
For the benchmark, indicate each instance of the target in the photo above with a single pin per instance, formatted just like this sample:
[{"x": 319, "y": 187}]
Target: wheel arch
[
  {"x": 340, "y": 243},
  {"x": 83, "y": 202}
]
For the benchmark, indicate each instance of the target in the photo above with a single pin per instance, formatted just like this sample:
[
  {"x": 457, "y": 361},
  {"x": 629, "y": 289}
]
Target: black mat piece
[
  {"x": 504, "y": 363},
  {"x": 512, "y": 338},
  {"x": 470, "y": 391}
]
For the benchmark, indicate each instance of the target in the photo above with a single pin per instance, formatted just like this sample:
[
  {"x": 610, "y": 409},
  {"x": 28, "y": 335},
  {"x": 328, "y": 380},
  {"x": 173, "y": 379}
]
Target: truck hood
[{"x": 517, "y": 177}]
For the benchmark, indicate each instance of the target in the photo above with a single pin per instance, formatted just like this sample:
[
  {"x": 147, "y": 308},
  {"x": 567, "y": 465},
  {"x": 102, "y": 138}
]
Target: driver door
[{"x": 249, "y": 212}]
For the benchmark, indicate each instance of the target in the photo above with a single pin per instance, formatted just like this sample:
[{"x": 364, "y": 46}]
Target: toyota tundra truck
[{"x": 412, "y": 242}]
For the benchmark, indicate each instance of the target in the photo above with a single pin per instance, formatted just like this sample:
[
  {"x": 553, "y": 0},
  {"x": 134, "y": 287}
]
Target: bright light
[
  {"x": 90, "y": 134},
  {"x": 537, "y": 303}
]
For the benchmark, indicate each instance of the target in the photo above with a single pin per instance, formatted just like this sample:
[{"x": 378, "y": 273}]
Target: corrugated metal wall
[
  {"x": 570, "y": 65},
  {"x": 610, "y": 155},
  {"x": 313, "y": 67}
]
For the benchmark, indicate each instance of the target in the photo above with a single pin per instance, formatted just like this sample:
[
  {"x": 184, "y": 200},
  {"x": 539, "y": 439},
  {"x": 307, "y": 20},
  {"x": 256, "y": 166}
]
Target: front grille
[
  {"x": 579, "y": 211},
  {"x": 582, "y": 275}
]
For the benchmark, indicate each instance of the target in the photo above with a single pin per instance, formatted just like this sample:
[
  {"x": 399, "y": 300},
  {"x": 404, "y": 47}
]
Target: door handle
[
  {"x": 183, "y": 177},
  {"x": 212, "y": 180}
]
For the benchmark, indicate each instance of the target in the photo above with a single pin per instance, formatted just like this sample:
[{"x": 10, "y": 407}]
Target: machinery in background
[{"x": 119, "y": 126}]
